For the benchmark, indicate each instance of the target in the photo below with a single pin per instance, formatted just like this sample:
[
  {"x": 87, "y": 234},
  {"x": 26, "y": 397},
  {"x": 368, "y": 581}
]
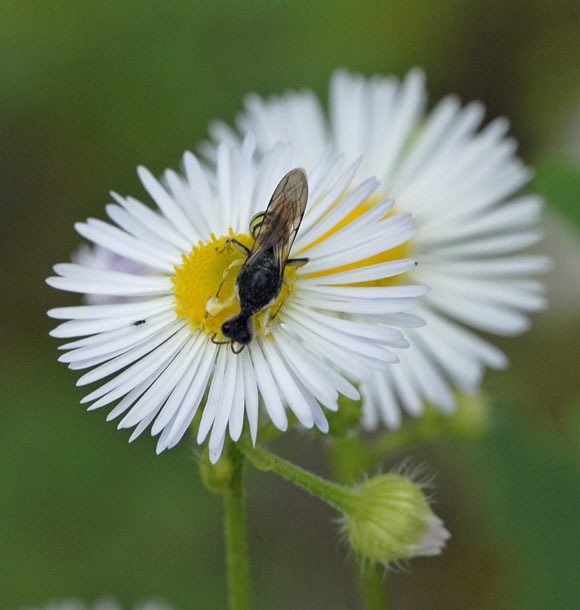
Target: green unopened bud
[{"x": 392, "y": 520}]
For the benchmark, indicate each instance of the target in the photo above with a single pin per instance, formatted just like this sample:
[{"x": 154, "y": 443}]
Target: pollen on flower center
[
  {"x": 204, "y": 285},
  {"x": 399, "y": 252}
]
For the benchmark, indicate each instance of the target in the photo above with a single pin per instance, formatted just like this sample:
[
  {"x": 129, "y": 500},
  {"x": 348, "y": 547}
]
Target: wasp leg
[
  {"x": 256, "y": 223},
  {"x": 236, "y": 351},
  {"x": 262, "y": 321},
  {"x": 216, "y": 342},
  {"x": 297, "y": 262},
  {"x": 238, "y": 245},
  {"x": 237, "y": 263},
  {"x": 293, "y": 262},
  {"x": 214, "y": 305}
]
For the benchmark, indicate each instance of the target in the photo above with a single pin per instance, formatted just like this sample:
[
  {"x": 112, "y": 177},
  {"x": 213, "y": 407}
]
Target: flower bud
[{"x": 392, "y": 520}]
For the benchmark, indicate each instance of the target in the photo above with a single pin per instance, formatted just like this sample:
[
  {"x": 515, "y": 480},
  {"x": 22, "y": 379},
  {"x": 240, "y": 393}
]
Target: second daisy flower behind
[
  {"x": 460, "y": 180},
  {"x": 160, "y": 349}
]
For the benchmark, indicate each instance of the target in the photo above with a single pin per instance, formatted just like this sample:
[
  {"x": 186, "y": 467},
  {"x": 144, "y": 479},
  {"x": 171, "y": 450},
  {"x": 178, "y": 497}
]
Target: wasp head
[{"x": 238, "y": 329}]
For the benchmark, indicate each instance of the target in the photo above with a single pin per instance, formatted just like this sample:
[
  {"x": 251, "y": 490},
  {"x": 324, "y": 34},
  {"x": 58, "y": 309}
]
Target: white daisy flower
[
  {"x": 460, "y": 182},
  {"x": 160, "y": 356}
]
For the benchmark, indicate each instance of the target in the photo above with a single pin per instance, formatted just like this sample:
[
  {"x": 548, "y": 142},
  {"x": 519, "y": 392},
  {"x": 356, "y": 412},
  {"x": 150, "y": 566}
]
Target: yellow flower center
[
  {"x": 204, "y": 286},
  {"x": 205, "y": 282}
]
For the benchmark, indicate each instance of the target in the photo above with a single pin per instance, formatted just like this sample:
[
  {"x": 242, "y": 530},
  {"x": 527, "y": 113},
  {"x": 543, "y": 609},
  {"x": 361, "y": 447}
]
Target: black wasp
[{"x": 261, "y": 276}]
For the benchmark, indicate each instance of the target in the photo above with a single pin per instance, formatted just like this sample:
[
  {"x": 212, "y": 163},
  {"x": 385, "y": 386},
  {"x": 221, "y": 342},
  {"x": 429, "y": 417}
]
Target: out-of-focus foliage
[{"x": 559, "y": 183}]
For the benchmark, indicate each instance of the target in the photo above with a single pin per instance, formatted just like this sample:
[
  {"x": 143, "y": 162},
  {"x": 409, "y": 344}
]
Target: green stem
[
  {"x": 338, "y": 496},
  {"x": 235, "y": 536},
  {"x": 373, "y": 588}
]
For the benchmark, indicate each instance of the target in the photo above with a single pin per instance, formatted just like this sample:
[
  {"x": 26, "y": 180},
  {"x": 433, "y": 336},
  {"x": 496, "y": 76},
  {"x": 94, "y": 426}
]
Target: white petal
[
  {"x": 154, "y": 398},
  {"x": 147, "y": 367},
  {"x": 217, "y": 388},
  {"x": 380, "y": 400},
  {"x": 500, "y": 267},
  {"x": 363, "y": 274},
  {"x": 137, "y": 310},
  {"x": 150, "y": 254},
  {"x": 227, "y": 400},
  {"x": 142, "y": 222},
  {"x": 180, "y": 409},
  {"x": 353, "y": 343},
  {"x": 182, "y": 396},
  {"x": 114, "y": 283},
  {"x": 236, "y": 420},
  {"x": 268, "y": 388},
  {"x": 307, "y": 370},
  {"x": 251, "y": 395},
  {"x": 166, "y": 204},
  {"x": 288, "y": 386},
  {"x": 113, "y": 363}
]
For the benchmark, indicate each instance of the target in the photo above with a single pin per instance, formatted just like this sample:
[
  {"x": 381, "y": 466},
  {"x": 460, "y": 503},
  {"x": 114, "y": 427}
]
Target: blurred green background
[{"x": 89, "y": 90}]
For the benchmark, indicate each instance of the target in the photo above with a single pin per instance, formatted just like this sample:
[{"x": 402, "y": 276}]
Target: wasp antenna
[{"x": 216, "y": 342}]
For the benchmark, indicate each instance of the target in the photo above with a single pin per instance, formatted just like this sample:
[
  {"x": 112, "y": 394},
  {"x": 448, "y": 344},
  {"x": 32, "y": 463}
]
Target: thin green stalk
[
  {"x": 238, "y": 572},
  {"x": 338, "y": 496},
  {"x": 373, "y": 588}
]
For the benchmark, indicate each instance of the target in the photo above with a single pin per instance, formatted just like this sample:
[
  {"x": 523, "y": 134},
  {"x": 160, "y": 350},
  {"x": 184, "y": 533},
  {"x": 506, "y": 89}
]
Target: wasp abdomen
[{"x": 259, "y": 283}]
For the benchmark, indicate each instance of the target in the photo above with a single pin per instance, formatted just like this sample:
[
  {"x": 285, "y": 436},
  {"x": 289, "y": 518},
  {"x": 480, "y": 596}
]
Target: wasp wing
[{"x": 282, "y": 218}]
